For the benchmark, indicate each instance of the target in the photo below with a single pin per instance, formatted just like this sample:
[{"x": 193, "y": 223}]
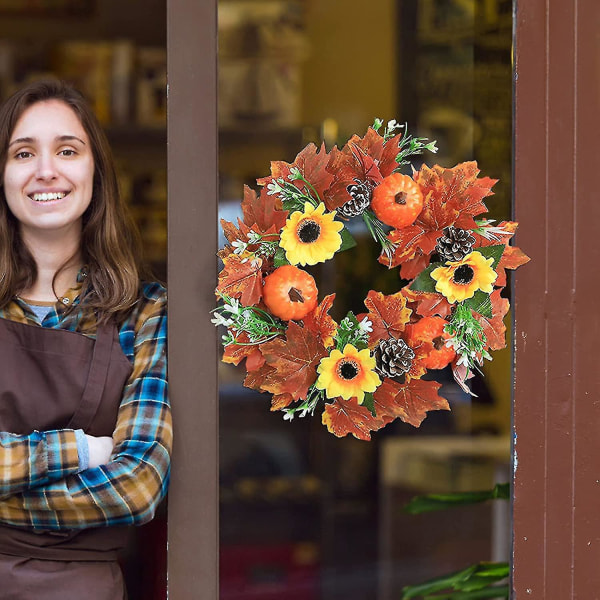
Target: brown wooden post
[
  {"x": 192, "y": 171},
  {"x": 557, "y": 313}
]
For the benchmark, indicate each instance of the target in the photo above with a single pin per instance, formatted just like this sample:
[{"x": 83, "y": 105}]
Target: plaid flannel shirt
[{"x": 40, "y": 486}]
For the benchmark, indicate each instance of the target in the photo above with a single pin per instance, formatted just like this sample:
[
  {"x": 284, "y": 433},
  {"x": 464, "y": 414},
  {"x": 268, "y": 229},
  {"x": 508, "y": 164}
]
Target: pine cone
[
  {"x": 454, "y": 244},
  {"x": 361, "y": 192},
  {"x": 393, "y": 357}
]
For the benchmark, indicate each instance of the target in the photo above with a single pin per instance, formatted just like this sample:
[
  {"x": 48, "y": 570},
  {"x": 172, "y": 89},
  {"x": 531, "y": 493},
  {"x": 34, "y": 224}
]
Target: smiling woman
[
  {"x": 85, "y": 425},
  {"x": 49, "y": 172}
]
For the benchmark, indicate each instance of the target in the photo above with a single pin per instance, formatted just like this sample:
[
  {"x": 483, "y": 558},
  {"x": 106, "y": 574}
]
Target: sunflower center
[
  {"x": 400, "y": 198},
  {"x": 348, "y": 370},
  {"x": 309, "y": 231},
  {"x": 463, "y": 275}
]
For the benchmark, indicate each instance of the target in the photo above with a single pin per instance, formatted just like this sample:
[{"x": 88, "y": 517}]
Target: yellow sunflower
[
  {"x": 310, "y": 237},
  {"x": 348, "y": 374},
  {"x": 461, "y": 279}
]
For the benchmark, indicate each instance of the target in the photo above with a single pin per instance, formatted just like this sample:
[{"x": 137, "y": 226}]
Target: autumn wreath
[{"x": 366, "y": 370}]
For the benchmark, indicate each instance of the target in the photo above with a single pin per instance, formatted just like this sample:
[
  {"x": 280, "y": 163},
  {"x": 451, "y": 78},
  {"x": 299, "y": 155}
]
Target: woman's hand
[{"x": 100, "y": 449}]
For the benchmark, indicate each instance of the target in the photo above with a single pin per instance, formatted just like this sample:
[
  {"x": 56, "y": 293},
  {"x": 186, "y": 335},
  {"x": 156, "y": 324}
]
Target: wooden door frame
[
  {"x": 557, "y": 322},
  {"x": 556, "y": 411},
  {"x": 193, "y": 555}
]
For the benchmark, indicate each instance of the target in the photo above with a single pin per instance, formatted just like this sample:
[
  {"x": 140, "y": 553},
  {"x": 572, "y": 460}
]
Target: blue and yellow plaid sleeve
[
  {"x": 128, "y": 489},
  {"x": 28, "y": 461}
]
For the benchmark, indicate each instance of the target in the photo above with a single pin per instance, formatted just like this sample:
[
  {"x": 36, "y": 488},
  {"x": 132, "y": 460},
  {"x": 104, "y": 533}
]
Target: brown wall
[{"x": 556, "y": 407}]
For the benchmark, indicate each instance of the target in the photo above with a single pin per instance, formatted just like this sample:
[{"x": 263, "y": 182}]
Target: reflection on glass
[{"x": 305, "y": 515}]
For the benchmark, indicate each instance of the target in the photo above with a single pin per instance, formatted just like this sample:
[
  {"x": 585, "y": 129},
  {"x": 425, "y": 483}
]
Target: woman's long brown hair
[{"x": 110, "y": 244}]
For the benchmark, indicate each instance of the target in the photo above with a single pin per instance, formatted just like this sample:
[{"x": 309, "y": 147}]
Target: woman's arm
[
  {"x": 36, "y": 459},
  {"x": 128, "y": 488}
]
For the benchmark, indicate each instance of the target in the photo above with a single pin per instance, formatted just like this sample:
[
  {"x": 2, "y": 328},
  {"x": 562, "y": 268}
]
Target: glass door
[{"x": 304, "y": 514}]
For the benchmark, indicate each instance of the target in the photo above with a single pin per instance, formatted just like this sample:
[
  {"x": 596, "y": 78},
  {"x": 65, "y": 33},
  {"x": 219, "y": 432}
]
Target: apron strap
[{"x": 94, "y": 388}]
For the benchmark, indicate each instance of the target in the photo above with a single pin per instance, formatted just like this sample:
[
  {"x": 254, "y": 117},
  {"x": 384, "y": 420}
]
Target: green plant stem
[
  {"x": 500, "y": 591},
  {"x": 435, "y": 502}
]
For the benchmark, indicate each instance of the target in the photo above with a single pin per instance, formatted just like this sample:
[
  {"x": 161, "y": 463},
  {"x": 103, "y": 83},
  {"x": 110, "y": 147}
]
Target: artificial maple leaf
[
  {"x": 388, "y": 315},
  {"x": 311, "y": 162},
  {"x": 383, "y": 153},
  {"x": 230, "y": 231},
  {"x": 235, "y": 353},
  {"x": 242, "y": 232},
  {"x": 512, "y": 257},
  {"x": 280, "y": 401},
  {"x": 242, "y": 278},
  {"x": 428, "y": 304},
  {"x": 494, "y": 328},
  {"x": 321, "y": 323},
  {"x": 409, "y": 401},
  {"x": 411, "y": 268},
  {"x": 358, "y": 160},
  {"x": 342, "y": 417},
  {"x": 387, "y": 161},
  {"x": 254, "y": 379},
  {"x": 264, "y": 211},
  {"x": 293, "y": 360},
  {"x": 457, "y": 186}
]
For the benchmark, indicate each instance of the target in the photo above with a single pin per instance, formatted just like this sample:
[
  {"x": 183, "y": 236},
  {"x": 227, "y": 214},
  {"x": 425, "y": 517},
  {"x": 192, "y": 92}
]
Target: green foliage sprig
[
  {"x": 473, "y": 583},
  {"x": 467, "y": 338},
  {"x": 259, "y": 325}
]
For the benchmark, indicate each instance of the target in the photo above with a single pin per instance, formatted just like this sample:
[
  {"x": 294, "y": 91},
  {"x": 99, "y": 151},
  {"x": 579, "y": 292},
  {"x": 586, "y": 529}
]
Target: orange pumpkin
[
  {"x": 431, "y": 329},
  {"x": 290, "y": 293},
  {"x": 397, "y": 201}
]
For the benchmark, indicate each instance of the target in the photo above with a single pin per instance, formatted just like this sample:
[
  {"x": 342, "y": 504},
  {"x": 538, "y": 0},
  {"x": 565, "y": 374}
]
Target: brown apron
[{"x": 56, "y": 379}]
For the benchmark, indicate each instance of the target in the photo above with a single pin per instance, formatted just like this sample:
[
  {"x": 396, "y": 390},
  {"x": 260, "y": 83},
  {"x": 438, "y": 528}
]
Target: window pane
[{"x": 304, "y": 514}]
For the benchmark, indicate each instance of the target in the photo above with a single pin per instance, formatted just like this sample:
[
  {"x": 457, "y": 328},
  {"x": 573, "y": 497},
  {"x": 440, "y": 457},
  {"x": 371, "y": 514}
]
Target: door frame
[
  {"x": 192, "y": 150},
  {"x": 556, "y": 524}
]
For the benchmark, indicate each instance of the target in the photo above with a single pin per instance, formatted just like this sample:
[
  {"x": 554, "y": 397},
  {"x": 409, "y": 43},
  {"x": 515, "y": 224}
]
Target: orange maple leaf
[
  {"x": 350, "y": 164},
  {"x": 409, "y": 402},
  {"x": 264, "y": 211},
  {"x": 254, "y": 379},
  {"x": 321, "y": 323},
  {"x": 242, "y": 278},
  {"x": 242, "y": 233},
  {"x": 235, "y": 353},
  {"x": 388, "y": 315},
  {"x": 512, "y": 257},
  {"x": 494, "y": 328},
  {"x": 342, "y": 417},
  {"x": 280, "y": 401},
  {"x": 311, "y": 162},
  {"x": 293, "y": 362},
  {"x": 428, "y": 304}
]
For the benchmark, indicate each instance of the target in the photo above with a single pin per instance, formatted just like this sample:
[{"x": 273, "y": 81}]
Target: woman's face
[{"x": 48, "y": 178}]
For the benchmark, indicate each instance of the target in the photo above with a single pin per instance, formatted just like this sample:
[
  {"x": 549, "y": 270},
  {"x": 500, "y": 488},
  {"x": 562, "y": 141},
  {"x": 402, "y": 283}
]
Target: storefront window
[{"x": 306, "y": 515}]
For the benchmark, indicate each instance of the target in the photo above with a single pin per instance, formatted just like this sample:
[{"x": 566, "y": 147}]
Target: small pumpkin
[
  {"x": 397, "y": 200},
  {"x": 431, "y": 329},
  {"x": 290, "y": 293}
]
